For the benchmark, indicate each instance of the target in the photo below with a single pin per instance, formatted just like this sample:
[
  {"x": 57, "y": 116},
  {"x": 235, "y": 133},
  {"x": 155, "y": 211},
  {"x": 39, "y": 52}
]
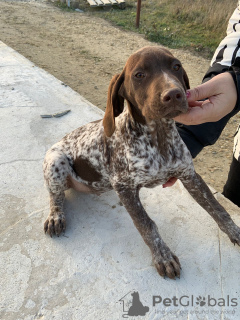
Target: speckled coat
[{"x": 134, "y": 146}]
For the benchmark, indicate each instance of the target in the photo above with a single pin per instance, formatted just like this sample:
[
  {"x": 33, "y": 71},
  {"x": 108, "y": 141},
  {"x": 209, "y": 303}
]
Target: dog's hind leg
[
  {"x": 202, "y": 194},
  {"x": 56, "y": 170}
]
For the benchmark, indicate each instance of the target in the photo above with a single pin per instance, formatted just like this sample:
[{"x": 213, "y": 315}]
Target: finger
[
  {"x": 170, "y": 182},
  {"x": 199, "y": 93},
  {"x": 207, "y": 112},
  {"x": 205, "y": 90},
  {"x": 194, "y": 116},
  {"x": 193, "y": 104}
]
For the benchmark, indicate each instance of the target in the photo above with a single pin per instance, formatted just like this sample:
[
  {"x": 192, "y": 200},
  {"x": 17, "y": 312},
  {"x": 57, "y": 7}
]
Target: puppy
[{"x": 133, "y": 147}]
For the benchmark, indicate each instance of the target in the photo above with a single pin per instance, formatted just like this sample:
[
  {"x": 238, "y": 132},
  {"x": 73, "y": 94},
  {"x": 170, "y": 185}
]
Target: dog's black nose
[{"x": 172, "y": 96}]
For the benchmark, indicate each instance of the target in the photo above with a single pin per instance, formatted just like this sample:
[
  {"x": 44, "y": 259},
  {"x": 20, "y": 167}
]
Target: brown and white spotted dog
[{"x": 133, "y": 147}]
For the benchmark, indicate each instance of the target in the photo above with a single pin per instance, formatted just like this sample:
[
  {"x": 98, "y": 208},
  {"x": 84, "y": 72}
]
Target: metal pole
[{"x": 138, "y": 13}]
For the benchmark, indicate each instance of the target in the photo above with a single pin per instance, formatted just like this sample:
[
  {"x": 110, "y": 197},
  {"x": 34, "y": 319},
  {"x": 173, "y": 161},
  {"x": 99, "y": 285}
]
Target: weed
[{"x": 63, "y": 6}]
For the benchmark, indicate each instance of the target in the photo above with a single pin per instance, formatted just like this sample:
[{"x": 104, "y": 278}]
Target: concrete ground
[{"x": 93, "y": 270}]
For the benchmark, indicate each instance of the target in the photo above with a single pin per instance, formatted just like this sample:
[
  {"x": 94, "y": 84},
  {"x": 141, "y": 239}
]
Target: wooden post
[{"x": 138, "y": 13}]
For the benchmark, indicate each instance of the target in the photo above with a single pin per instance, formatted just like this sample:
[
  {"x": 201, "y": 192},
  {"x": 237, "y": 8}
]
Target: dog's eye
[
  {"x": 140, "y": 75},
  {"x": 176, "y": 67}
]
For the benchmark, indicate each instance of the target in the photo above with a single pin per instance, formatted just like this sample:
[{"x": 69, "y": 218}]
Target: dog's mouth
[
  {"x": 173, "y": 114},
  {"x": 176, "y": 110},
  {"x": 176, "y": 113}
]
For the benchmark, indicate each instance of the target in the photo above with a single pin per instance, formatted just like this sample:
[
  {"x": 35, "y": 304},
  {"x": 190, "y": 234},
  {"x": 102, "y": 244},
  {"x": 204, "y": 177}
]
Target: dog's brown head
[{"x": 153, "y": 82}]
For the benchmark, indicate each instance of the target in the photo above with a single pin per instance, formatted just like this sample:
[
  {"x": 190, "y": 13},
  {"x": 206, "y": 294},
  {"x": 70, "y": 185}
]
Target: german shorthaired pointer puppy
[{"x": 133, "y": 147}]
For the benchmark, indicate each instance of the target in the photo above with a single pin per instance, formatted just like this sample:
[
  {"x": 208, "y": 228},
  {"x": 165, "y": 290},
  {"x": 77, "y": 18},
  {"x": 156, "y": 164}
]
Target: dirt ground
[{"x": 85, "y": 52}]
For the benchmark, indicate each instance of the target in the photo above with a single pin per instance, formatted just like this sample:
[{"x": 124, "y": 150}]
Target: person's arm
[{"x": 224, "y": 60}]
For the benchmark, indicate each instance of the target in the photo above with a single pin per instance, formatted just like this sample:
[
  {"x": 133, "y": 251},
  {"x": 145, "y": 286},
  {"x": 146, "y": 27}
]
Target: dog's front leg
[
  {"x": 56, "y": 169},
  {"x": 202, "y": 194},
  {"x": 55, "y": 223},
  {"x": 166, "y": 262}
]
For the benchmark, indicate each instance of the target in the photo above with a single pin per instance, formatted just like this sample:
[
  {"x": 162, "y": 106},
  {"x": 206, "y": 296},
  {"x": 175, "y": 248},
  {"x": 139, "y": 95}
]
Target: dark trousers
[
  {"x": 199, "y": 136},
  {"x": 231, "y": 190}
]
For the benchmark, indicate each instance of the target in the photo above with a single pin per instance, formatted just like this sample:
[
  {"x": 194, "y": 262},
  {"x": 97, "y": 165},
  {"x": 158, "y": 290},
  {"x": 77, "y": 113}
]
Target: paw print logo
[{"x": 201, "y": 301}]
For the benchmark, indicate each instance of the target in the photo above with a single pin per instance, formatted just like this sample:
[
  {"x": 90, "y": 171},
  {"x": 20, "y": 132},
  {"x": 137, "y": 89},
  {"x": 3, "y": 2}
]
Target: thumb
[{"x": 201, "y": 92}]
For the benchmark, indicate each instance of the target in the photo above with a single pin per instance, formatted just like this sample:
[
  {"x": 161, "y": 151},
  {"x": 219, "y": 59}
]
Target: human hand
[
  {"x": 170, "y": 182},
  {"x": 221, "y": 97}
]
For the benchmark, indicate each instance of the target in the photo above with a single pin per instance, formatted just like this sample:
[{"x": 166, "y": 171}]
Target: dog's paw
[
  {"x": 167, "y": 265},
  {"x": 55, "y": 224}
]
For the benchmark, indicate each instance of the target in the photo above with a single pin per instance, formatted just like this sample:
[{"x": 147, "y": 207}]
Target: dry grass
[
  {"x": 198, "y": 25},
  {"x": 213, "y": 14}
]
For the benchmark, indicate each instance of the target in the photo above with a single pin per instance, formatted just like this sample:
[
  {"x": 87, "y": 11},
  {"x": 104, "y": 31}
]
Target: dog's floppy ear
[
  {"x": 186, "y": 80},
  {"x": 115, "y": 104}
]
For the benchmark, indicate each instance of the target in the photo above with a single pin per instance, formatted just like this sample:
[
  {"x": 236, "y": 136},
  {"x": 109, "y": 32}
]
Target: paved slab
[{"x": 93, "y": 270}]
